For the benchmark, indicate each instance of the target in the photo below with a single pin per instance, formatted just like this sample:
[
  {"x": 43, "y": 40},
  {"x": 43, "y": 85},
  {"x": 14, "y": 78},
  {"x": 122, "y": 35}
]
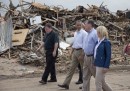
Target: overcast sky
[{"x": 112, "y": 5}]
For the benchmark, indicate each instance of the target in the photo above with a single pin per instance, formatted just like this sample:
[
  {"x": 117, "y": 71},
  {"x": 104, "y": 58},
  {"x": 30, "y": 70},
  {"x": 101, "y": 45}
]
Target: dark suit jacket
[{"x": 103, "y": 55}]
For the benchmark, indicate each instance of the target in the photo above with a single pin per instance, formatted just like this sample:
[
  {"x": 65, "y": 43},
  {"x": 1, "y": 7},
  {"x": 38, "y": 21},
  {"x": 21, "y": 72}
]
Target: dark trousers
[
  {"x": 80, "y": 73},
  {"x": 50, "y": 67}
]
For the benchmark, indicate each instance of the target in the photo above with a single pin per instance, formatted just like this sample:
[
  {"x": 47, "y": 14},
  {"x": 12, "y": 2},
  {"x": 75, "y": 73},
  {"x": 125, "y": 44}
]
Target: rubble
[
  {"x": 29, "y": 58},
  {"x": 63, "y": 21}
]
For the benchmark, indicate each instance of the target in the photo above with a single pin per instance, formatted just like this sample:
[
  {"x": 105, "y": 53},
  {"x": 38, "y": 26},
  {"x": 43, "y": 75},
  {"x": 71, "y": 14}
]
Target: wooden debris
[{"x": 63, "y": 21}]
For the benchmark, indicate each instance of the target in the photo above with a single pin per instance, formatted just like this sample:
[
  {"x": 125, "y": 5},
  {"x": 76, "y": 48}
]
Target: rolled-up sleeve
[{"x": 56, "y": 38}]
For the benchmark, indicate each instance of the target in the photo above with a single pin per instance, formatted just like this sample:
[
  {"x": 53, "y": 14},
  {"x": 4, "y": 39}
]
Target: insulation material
[{"x": 6, "y": 28}]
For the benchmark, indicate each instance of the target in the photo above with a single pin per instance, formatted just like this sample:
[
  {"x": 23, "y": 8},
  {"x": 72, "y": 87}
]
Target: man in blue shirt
[{"x": 88, "y": 47}]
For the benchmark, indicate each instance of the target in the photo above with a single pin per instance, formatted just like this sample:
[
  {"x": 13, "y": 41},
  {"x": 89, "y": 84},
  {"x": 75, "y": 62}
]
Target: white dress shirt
[
  {"x": 95, "y": 50},
  {"x": 79, "y": 37}
]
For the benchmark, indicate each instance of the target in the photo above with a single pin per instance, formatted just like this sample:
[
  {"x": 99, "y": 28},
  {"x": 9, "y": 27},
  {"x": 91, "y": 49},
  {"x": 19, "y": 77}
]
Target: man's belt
[
  {"x": 89, "y": 55},
  {"x": 77, "y": 48}
]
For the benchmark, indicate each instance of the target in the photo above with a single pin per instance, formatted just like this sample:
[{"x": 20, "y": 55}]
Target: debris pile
[{"x": 36, "y": 15}]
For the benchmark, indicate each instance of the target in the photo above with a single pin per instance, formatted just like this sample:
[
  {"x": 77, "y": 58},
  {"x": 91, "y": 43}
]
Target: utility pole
[
  {"x": 21, "y": 3},
  {"x": 0, "y": 4}
]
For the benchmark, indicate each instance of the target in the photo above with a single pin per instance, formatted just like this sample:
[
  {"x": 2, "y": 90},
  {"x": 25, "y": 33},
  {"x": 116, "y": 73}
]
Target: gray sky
[{"x": 112, "y": 5}]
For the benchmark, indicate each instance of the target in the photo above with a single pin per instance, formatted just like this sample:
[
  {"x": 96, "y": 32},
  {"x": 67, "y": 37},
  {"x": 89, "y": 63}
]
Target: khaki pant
[
  {"x": 100, "y": 80},
  {"x": 88, "y": 71},
  {"x": 74, "y": 65}
]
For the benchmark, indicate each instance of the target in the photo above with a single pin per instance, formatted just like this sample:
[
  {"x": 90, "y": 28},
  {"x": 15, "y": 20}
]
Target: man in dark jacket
[{"x": 50, "y": 43}]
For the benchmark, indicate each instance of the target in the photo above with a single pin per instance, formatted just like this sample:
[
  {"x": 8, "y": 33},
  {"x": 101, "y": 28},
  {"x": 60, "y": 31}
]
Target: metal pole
[{"x": 21, "y": 3}]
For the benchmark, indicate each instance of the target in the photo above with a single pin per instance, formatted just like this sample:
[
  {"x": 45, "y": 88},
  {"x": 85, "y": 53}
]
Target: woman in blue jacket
[{"x": 102, "y": 56}]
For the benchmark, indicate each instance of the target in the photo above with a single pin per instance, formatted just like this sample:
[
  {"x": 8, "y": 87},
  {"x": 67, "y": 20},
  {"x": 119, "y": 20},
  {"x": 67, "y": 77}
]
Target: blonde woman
[{"x": 102, "y": 56}]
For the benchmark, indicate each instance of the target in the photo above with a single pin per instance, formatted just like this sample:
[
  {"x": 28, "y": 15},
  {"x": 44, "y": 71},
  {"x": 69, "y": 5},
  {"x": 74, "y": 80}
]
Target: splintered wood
[{"x": 19, "y": 37}]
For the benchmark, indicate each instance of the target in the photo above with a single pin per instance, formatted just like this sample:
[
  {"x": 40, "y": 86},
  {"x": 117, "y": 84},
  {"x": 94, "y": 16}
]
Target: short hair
[
  {"x": 49, "y": 25},
  {"x": 79, "y": 21},
  {"x": 102, "y": 30},
  {"x": 90, "y": 22}
]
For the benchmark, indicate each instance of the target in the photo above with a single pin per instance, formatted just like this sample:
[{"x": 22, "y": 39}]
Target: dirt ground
[
  {"x": 12, "y": 67},
  {"x": 118, "y": 80},
  {"x": 12, "y": 78}
]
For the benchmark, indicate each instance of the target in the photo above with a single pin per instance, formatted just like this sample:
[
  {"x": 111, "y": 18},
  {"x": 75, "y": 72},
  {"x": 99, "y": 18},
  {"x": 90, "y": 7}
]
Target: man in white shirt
[{"x": 77, "y": 53}]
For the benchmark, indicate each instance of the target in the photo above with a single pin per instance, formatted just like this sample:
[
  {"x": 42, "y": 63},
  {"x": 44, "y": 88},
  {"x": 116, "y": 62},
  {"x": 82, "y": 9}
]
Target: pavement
[{"x": 118, "y": 80}]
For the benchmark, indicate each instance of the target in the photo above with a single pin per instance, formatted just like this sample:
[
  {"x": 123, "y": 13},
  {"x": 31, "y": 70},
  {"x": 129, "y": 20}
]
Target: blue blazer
[{"x": 103, "y": 55}]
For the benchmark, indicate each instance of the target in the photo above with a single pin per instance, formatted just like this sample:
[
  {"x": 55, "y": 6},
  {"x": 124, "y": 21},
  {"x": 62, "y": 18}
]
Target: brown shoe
[
  {"x": 64, "y": 86},
  {"x": 42, "y": 82}
]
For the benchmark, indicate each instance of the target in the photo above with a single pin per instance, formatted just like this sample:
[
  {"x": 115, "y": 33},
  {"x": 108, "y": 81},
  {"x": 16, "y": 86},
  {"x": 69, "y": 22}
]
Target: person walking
[
  {"x": 88, "y": 47},
  {"x": 77, "y": 53},
  {"x": 80, "y": 80},
  {"x": 102, "y": 56},
  {"x": 50, "y": 43}
]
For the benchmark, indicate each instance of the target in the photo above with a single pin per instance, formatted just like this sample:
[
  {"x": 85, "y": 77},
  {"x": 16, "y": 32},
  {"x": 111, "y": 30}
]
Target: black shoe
[
  {"x": 79, "y": 82},
  {"x": 64, "y": 86},
  {"x": 52, "y": 80},
  {"x": 80, "y": 87},
  {"x": 42, "y": 82}
]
